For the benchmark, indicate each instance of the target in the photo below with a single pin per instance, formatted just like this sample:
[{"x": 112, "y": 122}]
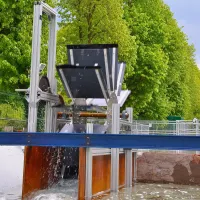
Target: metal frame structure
[
  {"x": 129, "y": 156},
  {"x": 101, "y": 85},
  {"x": 107, "y": 70},
  {"x": 49, "y": 118},
  {"x": 120, "y": 77},
  {"x": 88, "y": 181},
  {"x": 34, "y": 92},
  {"x": 112, "y": 140},
  {"x": 113, "y": 68},
  {"x": 114, "y": 185}
]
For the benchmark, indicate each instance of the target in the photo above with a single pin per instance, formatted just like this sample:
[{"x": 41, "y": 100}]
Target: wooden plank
[
  {"x": 82, "y": 173},
  {"x": 133, "y": 168},
  {"x": 39, "y": 169},
  {"x": 121, "y": 169},
  {"x": 101, "y": 173}
]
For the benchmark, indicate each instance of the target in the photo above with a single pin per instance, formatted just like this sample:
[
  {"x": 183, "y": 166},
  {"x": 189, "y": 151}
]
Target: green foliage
[
  {"x": 161, "y": 70},
  {"x": 15, "y": 43},
  {"x": 11, "y": 106},
  {"x": 18, "y": 125},
  {"x": 12, "y": 111},
  {"x": 161, "y": 85}
]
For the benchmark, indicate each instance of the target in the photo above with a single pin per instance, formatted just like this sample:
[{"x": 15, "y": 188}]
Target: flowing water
[
  {"x": 157, "y": 192},
  {"x": 11, "y": 170},
  {"x": 64, "y": 190},
  {"x": 68, "y": 190}
]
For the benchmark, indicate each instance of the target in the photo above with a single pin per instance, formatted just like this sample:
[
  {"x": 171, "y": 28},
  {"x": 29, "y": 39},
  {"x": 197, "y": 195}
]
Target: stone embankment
[{"x": 162, "y": 167}]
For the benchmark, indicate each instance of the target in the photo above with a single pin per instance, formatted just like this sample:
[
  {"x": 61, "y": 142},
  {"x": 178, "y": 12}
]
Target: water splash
[{"x": 64, "y": 190}]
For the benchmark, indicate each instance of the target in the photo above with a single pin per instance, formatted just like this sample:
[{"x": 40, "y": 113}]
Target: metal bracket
[
  {"x": 45, "y": 96},
  {"x": 47, "y": 9}
]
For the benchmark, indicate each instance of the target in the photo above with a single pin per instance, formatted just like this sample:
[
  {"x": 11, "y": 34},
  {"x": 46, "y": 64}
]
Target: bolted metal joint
[{"x": 87, "y": 139}]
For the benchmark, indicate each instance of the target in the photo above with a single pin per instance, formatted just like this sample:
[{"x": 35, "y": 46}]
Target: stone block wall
[{"x": 168, "y": 168}]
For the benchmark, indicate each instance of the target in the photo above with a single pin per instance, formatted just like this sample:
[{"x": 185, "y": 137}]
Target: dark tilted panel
[
  {"x": 91, "y": 55},
  {"x": 82, "y": 81}
]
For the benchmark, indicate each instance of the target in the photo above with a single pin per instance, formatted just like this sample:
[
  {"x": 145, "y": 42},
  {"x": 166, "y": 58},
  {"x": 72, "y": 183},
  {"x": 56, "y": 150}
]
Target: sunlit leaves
[
  {"x": 161, "y": 71},
  {"x": 162, "y": 84},
  {"x": 16, "y": 19}
]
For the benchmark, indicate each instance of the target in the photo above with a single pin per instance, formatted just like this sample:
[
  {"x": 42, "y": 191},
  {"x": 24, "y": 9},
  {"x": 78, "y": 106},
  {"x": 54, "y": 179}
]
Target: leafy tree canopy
[
  {"x": 16, "y": 19},
  {"x": 161, "y": 70},
  {"x": 160, "y": 85}
]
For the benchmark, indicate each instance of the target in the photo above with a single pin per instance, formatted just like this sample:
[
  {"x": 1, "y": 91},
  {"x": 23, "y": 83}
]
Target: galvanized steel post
[
  {"x": 115, "y": 151},
  {"x": 35, "y": 63},
  {"x": 129, "y": 156},
  {"x": 88, "y": 178}
]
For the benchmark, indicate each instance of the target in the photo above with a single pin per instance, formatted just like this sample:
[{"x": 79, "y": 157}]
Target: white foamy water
[{"x": 64, "y": 190}]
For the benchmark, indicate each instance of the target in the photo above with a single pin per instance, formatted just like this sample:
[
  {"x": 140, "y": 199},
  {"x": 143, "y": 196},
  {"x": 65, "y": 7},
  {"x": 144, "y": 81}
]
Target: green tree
[
  {"x": 160, "y": 85},
  {"x": 16, "y": 19},
  {"x": 161, "y": 70},
  {"x": 16, "y": 24},
  {"x": 148, "y": 82}
]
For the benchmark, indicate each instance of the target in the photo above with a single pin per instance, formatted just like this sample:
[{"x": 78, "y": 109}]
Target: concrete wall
[{"x": 168, "y": 167}]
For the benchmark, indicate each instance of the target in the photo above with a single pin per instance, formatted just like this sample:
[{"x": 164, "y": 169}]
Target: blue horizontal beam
[{"x": 160, "y": 142}]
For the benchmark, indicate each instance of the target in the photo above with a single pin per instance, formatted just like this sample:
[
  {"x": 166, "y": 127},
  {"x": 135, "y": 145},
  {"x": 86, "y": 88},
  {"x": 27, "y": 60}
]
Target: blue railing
[{"x": 159, "y": 142}]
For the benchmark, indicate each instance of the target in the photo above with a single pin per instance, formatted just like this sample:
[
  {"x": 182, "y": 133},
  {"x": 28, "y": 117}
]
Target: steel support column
[
  {"x": 49, "y": 119},
  {"x": 35, "y": 63},
  {"x": 115, "y": 152},
  {"x": 128, "y": 168},
  {"x": 129, "y": 156},
  {"x": 88, "y": 178}
]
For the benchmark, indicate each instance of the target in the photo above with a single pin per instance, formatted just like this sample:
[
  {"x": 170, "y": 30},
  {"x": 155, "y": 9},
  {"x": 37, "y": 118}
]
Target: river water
[
  {"x": 68, "y": 190},
  {"x": 11, "y": 171},
  {"x": 157, "y": 192}
]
